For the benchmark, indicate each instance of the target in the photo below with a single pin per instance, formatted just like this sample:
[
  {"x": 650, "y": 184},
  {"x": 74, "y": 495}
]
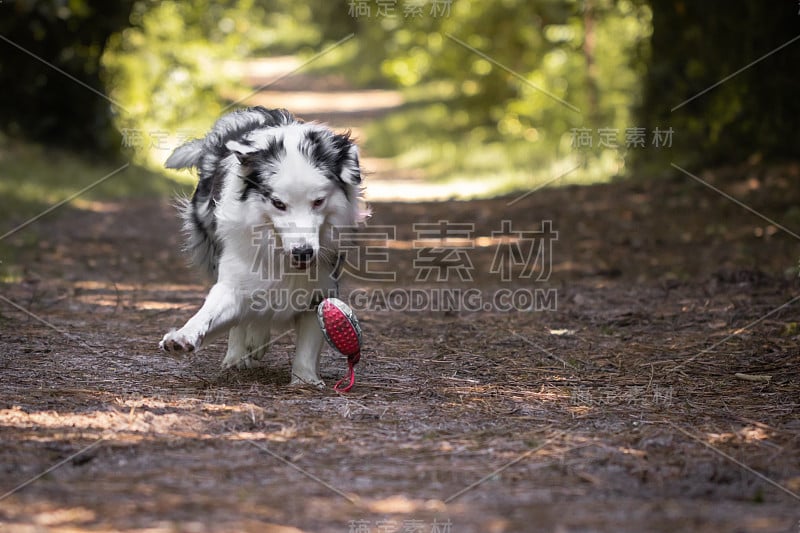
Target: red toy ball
[{"x": 342, "y": 331}]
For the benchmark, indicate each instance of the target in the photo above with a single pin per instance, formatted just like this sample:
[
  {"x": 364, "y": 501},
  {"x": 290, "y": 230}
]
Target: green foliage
[
  {"x": 507, "y": 80},
  {"x": 168, "y": 67},
  {"x": 41, "y": 103},
  {"x": 499, "y": 87},
  {"x": 747, "y": 112},
  {"x": 175, "y": 67},
  {"x": 493, "y": 87}
]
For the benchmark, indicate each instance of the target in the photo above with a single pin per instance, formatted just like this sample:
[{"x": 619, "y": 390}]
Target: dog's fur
[{"x": 272, "y": 189}]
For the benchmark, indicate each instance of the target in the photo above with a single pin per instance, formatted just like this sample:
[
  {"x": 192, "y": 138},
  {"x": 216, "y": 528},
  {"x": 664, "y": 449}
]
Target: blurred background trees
[
  {"x": 501, "y": 87},
  {"x": 696, "y": 45},
  {"x": 511, "y": 90},
  {"x": 42, "y": 104}
]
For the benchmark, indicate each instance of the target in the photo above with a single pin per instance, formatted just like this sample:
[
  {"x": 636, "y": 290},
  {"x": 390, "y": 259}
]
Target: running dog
[{"x": 262, "y": 222}]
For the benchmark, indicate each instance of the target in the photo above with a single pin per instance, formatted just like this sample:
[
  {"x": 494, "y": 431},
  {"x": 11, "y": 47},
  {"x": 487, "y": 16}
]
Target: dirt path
[
  {"x": 588, "y": 413},
  {"x": 610, "y": 412},
  {"x": 331, "y": 99}
]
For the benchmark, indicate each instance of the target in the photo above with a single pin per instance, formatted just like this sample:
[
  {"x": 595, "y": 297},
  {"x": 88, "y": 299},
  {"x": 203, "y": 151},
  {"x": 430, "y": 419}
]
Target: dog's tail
[{"x": 186, "y": 156}]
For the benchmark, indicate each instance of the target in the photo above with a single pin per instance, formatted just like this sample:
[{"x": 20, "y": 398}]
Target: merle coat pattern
[{"x": 271, "y": 191}]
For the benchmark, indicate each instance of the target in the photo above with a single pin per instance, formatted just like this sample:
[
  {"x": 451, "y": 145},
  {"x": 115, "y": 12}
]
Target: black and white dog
[{"x": 272, "y": 191}]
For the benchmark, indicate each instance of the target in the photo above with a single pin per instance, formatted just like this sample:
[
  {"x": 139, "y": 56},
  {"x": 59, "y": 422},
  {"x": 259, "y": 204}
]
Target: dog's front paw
[
  {"x": 307, "y": 381},
  {"x": 176, "y": 342}
]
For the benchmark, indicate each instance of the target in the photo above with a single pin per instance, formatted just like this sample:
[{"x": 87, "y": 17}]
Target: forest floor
[{"x": 654, "y": 386}]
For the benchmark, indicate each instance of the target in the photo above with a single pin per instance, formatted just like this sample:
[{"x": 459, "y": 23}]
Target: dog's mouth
[{"x": 300, "y": 264}]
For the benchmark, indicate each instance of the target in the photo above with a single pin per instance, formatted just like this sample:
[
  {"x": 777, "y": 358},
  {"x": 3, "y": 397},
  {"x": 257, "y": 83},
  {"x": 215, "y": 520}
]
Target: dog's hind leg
[
  {"x": 237, "y": 347},
  {"x": 247, "y": 344},
  {"x": 305, "y": 368},
  {"x": 258, "y": 340},
  {"x": 219, "y": 313}
]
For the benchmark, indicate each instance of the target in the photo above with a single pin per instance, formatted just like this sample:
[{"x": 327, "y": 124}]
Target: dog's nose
[{"x": 302, "y": 253}]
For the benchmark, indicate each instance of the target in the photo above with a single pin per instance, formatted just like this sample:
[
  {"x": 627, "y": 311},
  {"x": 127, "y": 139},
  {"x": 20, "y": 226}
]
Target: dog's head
[{"x": 301, "y": 179}]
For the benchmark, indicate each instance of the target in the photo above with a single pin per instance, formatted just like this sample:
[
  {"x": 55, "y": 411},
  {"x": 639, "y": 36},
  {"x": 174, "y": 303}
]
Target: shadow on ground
[{"x": 610, "y": 412}]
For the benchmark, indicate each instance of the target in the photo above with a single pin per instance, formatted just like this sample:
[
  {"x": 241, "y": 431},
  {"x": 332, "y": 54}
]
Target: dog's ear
[
  {"x": 244, "y": 153},
  {"x": 251, "y": 157},
  {"x": 347, "y": 158},
  {"x": 334, "y": 154}
]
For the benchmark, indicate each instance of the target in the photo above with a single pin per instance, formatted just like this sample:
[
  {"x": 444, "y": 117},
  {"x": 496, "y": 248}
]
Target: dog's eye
[
  {"x": 318, "y": 203},
  {"x": 280, "y": 206}
]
